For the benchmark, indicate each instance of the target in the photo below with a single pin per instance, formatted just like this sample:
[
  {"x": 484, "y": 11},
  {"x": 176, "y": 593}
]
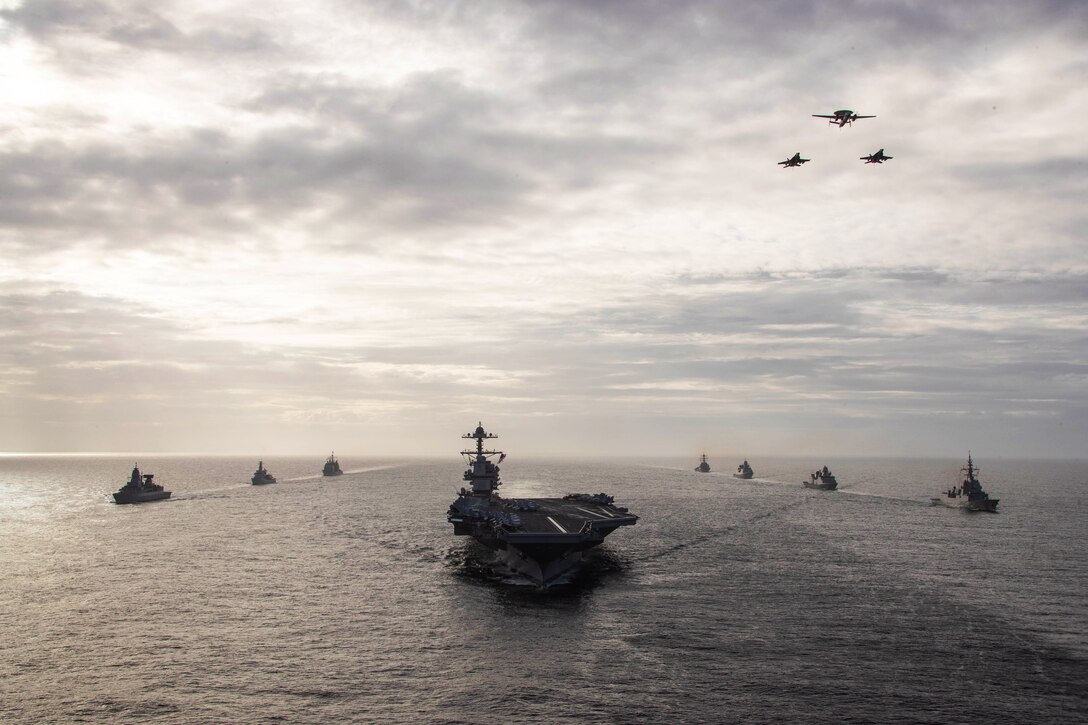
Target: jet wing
[
  {"x": 820, "y": 115},
  {"x": 864, "y": 116}
]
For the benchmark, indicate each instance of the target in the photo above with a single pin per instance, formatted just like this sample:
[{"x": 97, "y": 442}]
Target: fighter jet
[
  {"x": 877, "y": 158},
  {"x": 794, "y": 160},
  {"x": 842, "y": 117}
]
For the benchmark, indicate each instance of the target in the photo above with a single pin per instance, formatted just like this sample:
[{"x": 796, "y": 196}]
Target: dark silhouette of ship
[
  {"x": 703, "y": 466},
  {"x": 140, "y": 488},
  {"x": 543, "y": 539},
  {"x": 262, "y": 476},
  {"x": 332, "y": 466},
  {"x": 969, "y": 494},
  {"x": 744, "y": 471},
  {"x": 822, "y": 479}
]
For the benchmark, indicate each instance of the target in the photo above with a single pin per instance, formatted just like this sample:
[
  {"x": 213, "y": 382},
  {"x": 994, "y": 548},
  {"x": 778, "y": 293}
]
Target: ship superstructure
[{"x": 543, "y": 539}]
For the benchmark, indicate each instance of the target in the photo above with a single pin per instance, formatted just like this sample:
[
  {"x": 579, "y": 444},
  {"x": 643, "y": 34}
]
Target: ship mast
[
  {"x": 483, "y": 474},
  {"x": 970, "y": 470}
]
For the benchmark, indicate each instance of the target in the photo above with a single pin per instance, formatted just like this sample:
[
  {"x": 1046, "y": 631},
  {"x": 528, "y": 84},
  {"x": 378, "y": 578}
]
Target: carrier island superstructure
[{"x": 543, "y": 539}]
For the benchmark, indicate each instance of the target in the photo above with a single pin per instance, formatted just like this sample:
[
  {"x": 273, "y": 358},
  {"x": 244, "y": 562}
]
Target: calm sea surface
[{"x": 349, "y": 599}]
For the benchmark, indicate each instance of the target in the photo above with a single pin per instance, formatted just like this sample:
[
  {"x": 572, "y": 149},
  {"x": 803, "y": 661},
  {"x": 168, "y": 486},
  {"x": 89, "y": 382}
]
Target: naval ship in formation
[
  {"x": 822, "y": 479},
  {"x": 332, "y": 466},
  {"x": 140, "y": 488},
  {"x": 262, "y": 476},
  {"x": 744, "y": 471},
  {"x": 703, "y": 466},
  {"x": 543, "y": 539},
  {"x": 969, "y": 494}
]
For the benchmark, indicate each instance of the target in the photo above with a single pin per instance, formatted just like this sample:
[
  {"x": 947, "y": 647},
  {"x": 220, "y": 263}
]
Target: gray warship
[
  {"x": 543, "y": 539},
  {"x": 703, "y": 466},
  {"x": 822, "y": 479},
  {"x": 744, "y": 471},
  {"x": 140, "y": 488},
  {"x": 262, "y": 476},
  {"x": 969, "y": 494},
  {"x": 332, "y": 466}
]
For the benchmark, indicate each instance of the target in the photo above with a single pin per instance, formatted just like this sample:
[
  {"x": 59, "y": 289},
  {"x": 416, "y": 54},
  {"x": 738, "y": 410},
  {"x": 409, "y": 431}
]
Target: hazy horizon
[
  {"x": 370, "y": 225},
  {"x": 721, "y": 461}
]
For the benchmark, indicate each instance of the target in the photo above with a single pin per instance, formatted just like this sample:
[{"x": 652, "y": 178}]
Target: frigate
[
  {"x": 332, "y": 466},
  {"x": 744, "y": 471},
  {"x": 969, "y": 494},
  {"x": 542, "y": 539},
  {"x": 262, "y": 476},
  {"x": 822, "y": 479},
  {"x": 703, "y": 466},
  {"x": 140, "y": 488}
]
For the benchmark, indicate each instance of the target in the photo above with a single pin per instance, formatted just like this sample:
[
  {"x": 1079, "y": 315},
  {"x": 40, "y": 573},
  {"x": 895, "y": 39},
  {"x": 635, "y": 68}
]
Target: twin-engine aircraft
[
  {"x": 794, "y": 160},
  {"x": 842, "y": 117},
  {"x": 877, "y": 158}
]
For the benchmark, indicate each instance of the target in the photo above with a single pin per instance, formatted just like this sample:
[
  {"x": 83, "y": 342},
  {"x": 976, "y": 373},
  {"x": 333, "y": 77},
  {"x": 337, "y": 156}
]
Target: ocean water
[{"x": 349, "y": 600}]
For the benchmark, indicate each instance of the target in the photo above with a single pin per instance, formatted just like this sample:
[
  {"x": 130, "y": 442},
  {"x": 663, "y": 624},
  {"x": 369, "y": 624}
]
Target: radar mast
[{"x": 483, "y": 474}]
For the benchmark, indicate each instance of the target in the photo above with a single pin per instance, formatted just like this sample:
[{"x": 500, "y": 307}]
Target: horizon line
[{"x": 529, "y": 457}]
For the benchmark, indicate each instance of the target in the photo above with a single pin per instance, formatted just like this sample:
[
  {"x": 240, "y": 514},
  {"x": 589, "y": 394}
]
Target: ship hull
[
  {"x": 545, "y": 556},
  {"x": 821, "y": 486},
  {"x": 744, "y": 476},
  {"x": 985, "y": 505},
  {"x": 544, "y": 566},
  {"x": 331, "y": 473},
  {"x": 144, "y": 497},
  {"x": 262, "y": 480}
]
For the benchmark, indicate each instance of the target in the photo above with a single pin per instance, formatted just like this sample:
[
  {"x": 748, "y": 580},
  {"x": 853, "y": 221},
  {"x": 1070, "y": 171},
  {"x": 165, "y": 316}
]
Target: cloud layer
[{"x": 383, "y": 221}]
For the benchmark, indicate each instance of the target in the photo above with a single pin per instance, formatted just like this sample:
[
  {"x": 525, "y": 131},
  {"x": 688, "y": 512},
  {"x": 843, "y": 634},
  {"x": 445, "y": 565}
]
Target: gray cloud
[
  {"x": 429, "y": 154},
  {"x": 135, "y": 26},
  {"x": 1064, "y": 175},
  {"x": 74, "y": 359},
  {"x": 573, "y": 213}
]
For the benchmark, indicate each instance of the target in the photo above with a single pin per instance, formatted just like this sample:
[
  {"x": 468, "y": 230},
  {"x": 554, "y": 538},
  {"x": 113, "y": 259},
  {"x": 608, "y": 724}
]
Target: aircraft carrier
[{"x": 542, "y": 539}]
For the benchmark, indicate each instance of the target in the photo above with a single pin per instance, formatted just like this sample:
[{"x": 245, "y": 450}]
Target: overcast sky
[{"x": 294, "y": 227}]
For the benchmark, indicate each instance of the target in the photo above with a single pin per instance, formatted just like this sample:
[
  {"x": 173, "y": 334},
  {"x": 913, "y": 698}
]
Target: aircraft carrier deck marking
[
  {"x": 556, "y": 525},
  {"x": 595, "y": 513}
]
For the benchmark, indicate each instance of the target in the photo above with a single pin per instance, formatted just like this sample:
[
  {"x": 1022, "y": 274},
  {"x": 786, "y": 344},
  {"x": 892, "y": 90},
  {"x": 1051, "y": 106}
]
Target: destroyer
[
  {"x": 822, "y": 479},
  {"x": 969, "y": 494},
  {"x": 140, "y": 488},
  {"x": 541, "y": 538},
  {"x": 262, "y": 476},
  {"x": 744, "y": 471},
  {"x": 332, "y": 466},
  {"x": 703, "y": 466}
]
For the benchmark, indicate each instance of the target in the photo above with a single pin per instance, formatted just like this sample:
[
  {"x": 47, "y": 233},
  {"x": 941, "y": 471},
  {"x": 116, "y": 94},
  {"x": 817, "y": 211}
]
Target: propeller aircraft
[{"x": 842, "y": 117}]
